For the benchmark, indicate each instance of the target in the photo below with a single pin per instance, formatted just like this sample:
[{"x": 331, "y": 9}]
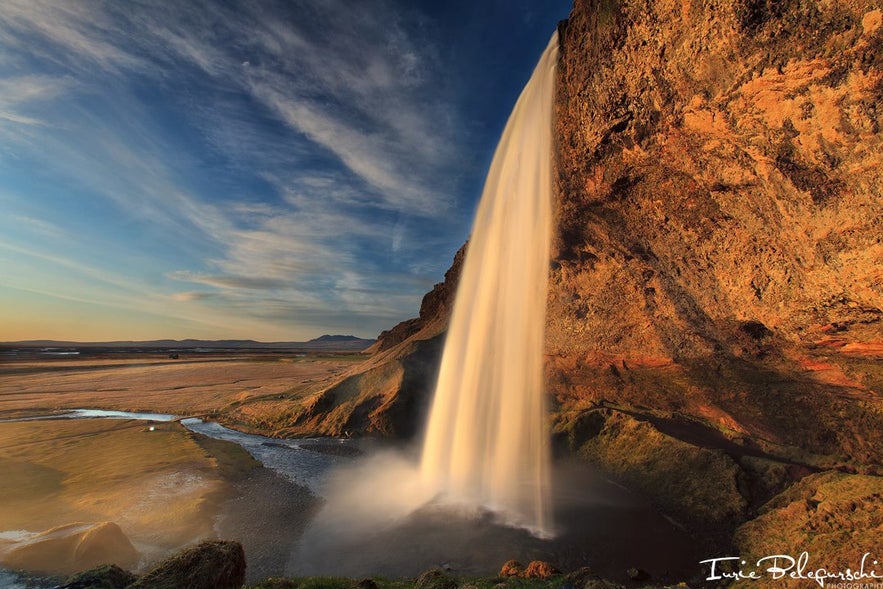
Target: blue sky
[{"x": 253, "y": 169}]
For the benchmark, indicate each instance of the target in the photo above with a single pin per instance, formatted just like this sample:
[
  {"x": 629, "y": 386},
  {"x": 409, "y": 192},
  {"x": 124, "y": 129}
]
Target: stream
[
  {"x": 599, "y": 523},
  {"x": 303, "y": 461}
]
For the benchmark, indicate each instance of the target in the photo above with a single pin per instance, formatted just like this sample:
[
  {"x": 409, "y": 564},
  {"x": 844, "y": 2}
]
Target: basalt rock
[
  {"x": 103, "y": 577},
  {"x": 210, "y": 565}
]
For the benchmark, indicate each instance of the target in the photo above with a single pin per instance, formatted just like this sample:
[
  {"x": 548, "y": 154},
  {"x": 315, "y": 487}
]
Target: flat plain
[
  {"x": 203, "y": 383},
  {"x": 74, "y": 491}
]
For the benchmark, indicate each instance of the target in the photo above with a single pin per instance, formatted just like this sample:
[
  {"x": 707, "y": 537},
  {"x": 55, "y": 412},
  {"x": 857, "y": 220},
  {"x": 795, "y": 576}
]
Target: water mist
[
  {"x": 487, "y": 441},
  {"x": 487, "y": 446}
]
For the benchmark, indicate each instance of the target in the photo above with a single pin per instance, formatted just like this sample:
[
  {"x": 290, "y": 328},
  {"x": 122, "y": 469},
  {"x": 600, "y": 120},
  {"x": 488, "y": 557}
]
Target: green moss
[
  {"x": 103, "y": 577},
  {"x": 834, "y": 516},
  {"x": 692, "y": 483}
]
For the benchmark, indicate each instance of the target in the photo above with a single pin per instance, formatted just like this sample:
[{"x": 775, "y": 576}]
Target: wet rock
[
  {"x": 512, "y": 568},
  {"x": 103, "y": 577},
  {"x": 210, "y": 565},
  {"x": 435, "y": 579},
  {"x": 636, "y": 574},
  {"x": 540, "y": 569}
]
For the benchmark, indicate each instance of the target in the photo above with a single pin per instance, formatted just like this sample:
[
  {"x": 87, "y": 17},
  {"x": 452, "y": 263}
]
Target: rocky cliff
[
  {"x": 720, "y": 208},
  {"x": 716, "y": 291},
  {"x": 715, "y": 331}
]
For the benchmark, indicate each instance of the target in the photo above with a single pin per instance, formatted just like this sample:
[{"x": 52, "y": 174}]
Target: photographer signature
[{"x": 782, "y": 566}]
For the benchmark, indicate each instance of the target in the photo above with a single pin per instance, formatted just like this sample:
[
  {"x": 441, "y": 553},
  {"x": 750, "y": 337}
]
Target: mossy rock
[
  {"x": 435, "y": 579},
  {"x": 691, "y": 483},
  {"x": 834, "y": 516},
  {"x": 104, "y": 577},
  {"x": 210, "y": 565}
]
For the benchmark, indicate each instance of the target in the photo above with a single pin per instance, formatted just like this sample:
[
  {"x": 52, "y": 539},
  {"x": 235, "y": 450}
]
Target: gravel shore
[{"x": 255, "y": 516}]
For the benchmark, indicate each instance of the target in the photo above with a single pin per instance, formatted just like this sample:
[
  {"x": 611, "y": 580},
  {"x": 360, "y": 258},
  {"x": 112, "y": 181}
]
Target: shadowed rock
[
  {"x": 103, "y": 577},
  {"x": 435, "y": 579},
  {"x": 210, "y": 565}
]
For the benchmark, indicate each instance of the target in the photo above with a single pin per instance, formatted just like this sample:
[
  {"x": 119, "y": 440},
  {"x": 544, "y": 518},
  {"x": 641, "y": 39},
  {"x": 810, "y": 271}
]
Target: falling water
[{"x": 487, "y": 441}]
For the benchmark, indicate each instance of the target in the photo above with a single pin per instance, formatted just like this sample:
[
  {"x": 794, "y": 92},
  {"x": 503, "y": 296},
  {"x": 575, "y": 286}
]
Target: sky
[{"x": 254, "y": 169}]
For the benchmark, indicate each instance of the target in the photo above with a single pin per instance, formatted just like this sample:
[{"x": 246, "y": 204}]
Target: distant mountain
[
  {"x": 336, "y": 338},
  {"x": 324, "y": 342}
]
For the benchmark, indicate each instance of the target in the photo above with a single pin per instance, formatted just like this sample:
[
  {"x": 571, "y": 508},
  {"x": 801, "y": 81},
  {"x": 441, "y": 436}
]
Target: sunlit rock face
[
  {"x": 720, "y": 219},
  {"x": 719, "y": 165},
  {"x": 716, "y": 277}
]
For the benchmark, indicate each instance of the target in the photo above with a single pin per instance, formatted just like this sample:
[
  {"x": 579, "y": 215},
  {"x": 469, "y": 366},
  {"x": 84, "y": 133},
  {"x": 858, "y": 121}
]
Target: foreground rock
[
  {"x": 71, "y": 548},
  {"x": 210, "y": 565},
  {"x": 103, "y": 577}
]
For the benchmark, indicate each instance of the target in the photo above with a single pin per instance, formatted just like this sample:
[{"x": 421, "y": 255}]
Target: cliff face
[
  {"x": 715, "y": 330},
  {"x": 721, "y": 217},
  {"x": 720, "y": 164},
  {"x": 716, "y": 290}
]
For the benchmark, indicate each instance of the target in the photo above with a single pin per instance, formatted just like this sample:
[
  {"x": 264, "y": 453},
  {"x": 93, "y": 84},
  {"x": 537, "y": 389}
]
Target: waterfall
[{"x": 487, "y": 438}]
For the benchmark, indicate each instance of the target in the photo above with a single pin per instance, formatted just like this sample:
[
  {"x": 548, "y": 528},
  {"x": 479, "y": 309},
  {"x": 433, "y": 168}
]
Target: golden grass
[{"x": 183, "y": 387}]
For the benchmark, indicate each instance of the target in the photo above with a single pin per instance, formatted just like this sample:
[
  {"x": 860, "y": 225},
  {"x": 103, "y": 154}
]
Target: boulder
[
  {"x": 210, "y": 565},
  {"x": 512, "y": 568},
  {"x": 435, "y": 579},
  {"x": 103, "y": 577},
  {"x": 636, "y": 574},
  {"x": 540, "y": 569},
  {"x": 71, "y": 548}
]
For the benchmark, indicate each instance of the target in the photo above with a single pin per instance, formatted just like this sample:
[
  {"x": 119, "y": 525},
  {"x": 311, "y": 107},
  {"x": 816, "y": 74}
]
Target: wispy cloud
[
  {"x": 316, "y": 144},
  {"x": 22, "y": 96},
  {"x": 192, "y": 295},
  {"x": 65, "y": 32}
]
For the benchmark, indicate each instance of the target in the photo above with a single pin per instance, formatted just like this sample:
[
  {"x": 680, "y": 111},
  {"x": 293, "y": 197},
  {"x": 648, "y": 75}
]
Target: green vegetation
[{"x": 434, "y": 581}]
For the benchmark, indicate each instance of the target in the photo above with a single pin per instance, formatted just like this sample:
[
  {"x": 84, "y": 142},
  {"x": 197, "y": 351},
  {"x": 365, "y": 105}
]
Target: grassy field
[{"x": 145, "y": 382}]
